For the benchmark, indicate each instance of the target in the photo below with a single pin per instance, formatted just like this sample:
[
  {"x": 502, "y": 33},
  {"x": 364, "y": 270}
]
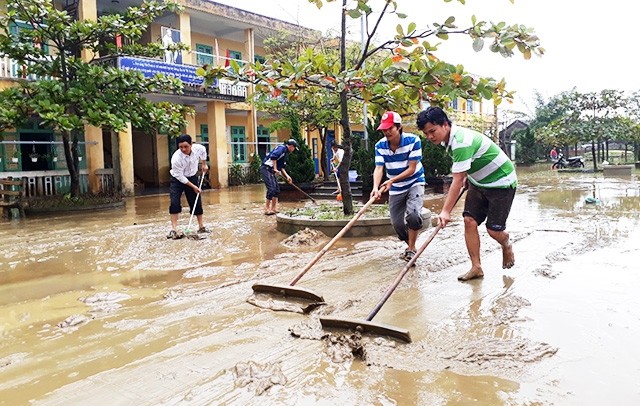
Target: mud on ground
[{"x": 102, "y": 308}]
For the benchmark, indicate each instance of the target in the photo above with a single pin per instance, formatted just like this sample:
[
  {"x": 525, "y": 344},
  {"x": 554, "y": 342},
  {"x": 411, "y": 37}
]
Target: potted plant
[
  {"x": 34, "y": 156},
  {"x": 15, "y": 156}
]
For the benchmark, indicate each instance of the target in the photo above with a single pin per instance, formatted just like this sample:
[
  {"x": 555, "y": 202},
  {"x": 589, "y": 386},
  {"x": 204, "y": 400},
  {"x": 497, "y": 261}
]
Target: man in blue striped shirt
[{"x": 400, "y": 153}]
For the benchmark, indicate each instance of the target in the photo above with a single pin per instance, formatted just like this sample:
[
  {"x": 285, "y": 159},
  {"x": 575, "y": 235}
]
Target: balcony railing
[{"x": 11, "y": 69}]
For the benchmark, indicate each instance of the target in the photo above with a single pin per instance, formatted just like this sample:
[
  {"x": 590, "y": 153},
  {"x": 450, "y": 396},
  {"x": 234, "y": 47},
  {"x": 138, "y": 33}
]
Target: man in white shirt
[
  {"x": 184, "y": 169},
  {"x": 336, "y": 159}
]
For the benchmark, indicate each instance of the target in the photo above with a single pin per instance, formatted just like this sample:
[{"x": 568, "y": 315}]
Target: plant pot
[
  {"x": 55, "y": 159},
  {"x": 34, "y": 159},
  {"x": 14, "y": 160},
  {"x": 79, "y": 159}
]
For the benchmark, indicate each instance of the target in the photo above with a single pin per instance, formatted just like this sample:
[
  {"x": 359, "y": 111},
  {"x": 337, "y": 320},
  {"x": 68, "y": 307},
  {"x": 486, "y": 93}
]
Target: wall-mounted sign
[
  {"x": 150, "y": 67},
  {"x": 187, "y": 74}
]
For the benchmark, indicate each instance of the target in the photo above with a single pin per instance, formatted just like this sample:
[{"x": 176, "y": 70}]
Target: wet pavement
[{"x": 101, "y": 308}]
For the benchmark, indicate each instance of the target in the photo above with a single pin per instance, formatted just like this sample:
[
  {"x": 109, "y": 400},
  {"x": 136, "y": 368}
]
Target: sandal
[
  {"x": 269, "y": 213},
  {"x": 175, "y": 235},
  {"x": 408, "y": 255},
  {"x": 203, "y": 229}
]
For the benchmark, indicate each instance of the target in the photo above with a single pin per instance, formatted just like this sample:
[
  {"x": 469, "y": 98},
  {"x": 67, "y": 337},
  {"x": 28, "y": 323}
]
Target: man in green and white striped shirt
[{"x": 492, "y": 184}]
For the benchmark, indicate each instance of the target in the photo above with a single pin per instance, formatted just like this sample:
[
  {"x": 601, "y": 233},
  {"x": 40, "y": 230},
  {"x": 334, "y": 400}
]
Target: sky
[{"x": 588, "y": 45}]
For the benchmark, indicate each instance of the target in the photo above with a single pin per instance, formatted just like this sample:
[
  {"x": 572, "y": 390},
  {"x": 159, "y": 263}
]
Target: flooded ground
[{"x": 102, "y": 309}]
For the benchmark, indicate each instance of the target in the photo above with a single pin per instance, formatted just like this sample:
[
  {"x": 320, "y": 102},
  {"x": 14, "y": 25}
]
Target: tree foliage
[
  {"x": 571, "y": 117},
  {"x": 300, "y": 165},
  {"x": 395, "y": 73},
  {"x": 78, "y": 83}
]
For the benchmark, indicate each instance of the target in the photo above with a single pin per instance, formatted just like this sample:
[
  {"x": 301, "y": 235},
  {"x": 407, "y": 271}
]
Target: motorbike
[{"x": 572, "y": 162}]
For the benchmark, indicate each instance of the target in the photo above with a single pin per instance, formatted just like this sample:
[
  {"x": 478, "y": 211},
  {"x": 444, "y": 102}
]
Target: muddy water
[{"x": 101, "y": 308}]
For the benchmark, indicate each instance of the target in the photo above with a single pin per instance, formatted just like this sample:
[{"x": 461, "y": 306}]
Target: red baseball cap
[{"x": 389, "y": 119}]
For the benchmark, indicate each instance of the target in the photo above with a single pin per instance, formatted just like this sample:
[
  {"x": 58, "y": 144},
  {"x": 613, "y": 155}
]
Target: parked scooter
[{"x": 573, "y": 162}]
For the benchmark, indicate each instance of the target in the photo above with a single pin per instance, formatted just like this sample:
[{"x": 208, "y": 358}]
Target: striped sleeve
[
  {"x": 416, "y": 151},
  {"x": 379, "y": 157},
  {"x": 462, "y": 151}
]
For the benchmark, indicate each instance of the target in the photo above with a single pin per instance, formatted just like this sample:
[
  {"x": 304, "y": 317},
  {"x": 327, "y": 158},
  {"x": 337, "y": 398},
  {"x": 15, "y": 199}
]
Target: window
[
  {"x": 19, "y": 26},
  {"x": 259, "y": 58},
  {"x": 204, "y": 133},
  {"x": 469, "y": 105},
  {"x": 236, "y": 55},
  {"x": 203, "y": 138},
  {"x": 204, "y": 54},
  {"x": 18, "y": 70},
  {"x": 238, "y": 145},
  {"x": 264, "y": 141},
  {"x": 454, "y": 104}
]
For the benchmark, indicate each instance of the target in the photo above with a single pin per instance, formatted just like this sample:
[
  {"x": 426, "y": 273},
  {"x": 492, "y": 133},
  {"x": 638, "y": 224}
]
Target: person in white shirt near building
[
  {"x": 336, "y": 159},
  {"x": 184, "y": 169}
]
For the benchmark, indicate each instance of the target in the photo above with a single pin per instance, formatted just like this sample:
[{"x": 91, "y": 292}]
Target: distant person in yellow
[{"x": 336, "y": 159}]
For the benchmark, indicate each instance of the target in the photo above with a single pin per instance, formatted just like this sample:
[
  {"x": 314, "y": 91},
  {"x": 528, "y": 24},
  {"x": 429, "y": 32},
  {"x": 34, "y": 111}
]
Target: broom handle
[
  {"x": 333, "y": 240},
  {"x": 196, "y": 202},
  {"x": 302, "y": 191},
  {"x": 406, "y": 268}
]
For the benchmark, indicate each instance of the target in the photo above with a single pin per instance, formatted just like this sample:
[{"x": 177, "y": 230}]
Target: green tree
[
  {"x": 633, "y": 112},
  {"x": 72, "y": 91},
  {"x": 300, "y": 165},
  {"x": 573, "y": 117},
  {"x": 435, "y": 160},
  {"x": 364, "y": 161},
  {"x": 526, "y": 146}
]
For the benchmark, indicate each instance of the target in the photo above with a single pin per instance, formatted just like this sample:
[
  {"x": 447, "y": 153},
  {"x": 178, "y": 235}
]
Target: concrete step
[
  {"x": 330, "y": 195},
  {"x": 325, "y": 190},
  {"x": 330, "y": 189}
]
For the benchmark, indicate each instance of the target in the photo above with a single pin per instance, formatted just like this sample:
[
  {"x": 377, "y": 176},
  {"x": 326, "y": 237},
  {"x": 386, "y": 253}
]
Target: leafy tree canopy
[{"x": 78, "y": 82}]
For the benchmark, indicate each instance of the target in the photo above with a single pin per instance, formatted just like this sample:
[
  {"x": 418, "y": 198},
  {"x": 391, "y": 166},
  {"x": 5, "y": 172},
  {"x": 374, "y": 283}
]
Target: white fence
[{"x": 10, "y": 68}]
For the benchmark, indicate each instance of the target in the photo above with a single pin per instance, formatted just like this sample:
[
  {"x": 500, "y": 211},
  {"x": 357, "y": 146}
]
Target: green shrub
[
  {"x": 435, "y": 160},
  {"x": 236, "y": 175},
  {"x": 364, "y": 154},
  {"x": 300, "y": 165},
  {"x": 253, "y": 176}
]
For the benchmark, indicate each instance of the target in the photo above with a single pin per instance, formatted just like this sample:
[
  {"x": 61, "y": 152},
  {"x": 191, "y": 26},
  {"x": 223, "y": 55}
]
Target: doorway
[{"x": 145, "y": 159}]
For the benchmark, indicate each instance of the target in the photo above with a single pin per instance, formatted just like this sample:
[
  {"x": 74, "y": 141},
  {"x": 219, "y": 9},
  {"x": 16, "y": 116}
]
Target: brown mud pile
[
  {"x": 258, "y": 377},
  {"x": 304, "y": 238},
  {"x": 294, "y": 306}
]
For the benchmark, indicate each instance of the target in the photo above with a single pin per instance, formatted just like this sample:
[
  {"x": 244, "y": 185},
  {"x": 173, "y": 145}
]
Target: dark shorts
[
  {"x": 492, "y": 205},
  {"x": 175, "y": 194},
  {"x": 270, "y": 181}
]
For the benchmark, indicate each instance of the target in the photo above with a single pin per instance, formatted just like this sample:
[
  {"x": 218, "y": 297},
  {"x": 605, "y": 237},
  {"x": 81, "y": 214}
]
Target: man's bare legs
[
  {"x": 502, "y": 237},
  {"x": 411, "y": 240},
  {"x": 271, "y": 206},
  {"x": 472, "y": 238},
  {"x": 174, "y": 221}
]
